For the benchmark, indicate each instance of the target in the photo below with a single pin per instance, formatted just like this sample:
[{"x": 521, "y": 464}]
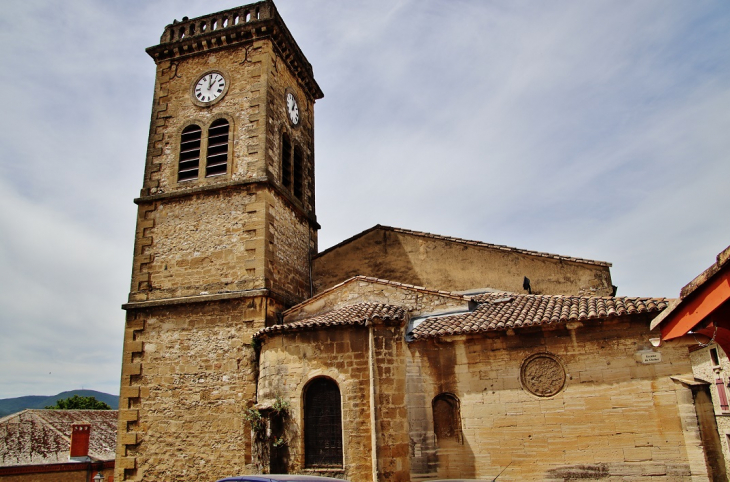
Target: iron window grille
[{"x": 322, "y": 424}]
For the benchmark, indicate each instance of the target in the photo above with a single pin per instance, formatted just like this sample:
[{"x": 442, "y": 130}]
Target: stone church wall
[
  {"x": 288, "y": 242},
  {"x": 614, "y": 417},
  {"x": 174, "y": 110},
  {"x": 290, "y": 361},
  {"x": 210, "y": 243},
  {"x": 440, "y": 263},
  {"x": 188, "y": 374},
  {"x": 280, "y": 82}
]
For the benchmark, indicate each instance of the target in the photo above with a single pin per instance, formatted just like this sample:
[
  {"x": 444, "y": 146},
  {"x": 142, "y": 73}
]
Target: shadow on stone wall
[{"x": 438, "y": 447}]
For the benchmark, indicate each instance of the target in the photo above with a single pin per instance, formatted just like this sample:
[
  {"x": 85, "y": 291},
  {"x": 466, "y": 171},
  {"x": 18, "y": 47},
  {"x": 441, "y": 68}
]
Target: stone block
[{"x": 637, "y": 454}]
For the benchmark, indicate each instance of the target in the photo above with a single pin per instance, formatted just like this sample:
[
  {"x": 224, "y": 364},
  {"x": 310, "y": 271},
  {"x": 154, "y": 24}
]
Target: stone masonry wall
[
  {"x": 441, "y": 264},
  {"x": 290, "y": 361},
  {"x": 191, "y": 239},
  {"x": 290, "y": 243},
  {"x": 188, "y": 374},
  {"x": 615, "y": 419},
  {"x": 173, "y": 110},
  {"x": 211, "y": 242},
  {"x": 280, "y": 82}
]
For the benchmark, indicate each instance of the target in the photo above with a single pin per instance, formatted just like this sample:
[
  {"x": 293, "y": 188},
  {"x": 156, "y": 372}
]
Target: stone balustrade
[{"x": 218, "y": 21}]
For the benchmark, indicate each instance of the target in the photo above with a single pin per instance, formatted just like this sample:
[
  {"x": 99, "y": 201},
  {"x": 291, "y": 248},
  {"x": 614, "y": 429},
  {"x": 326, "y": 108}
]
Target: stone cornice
[
  {"x": 213, "y": 188},
  {"x": 136, "y": 305},
  {"x": 233, "y": 27},
  {"x": 227, "y": 295}
]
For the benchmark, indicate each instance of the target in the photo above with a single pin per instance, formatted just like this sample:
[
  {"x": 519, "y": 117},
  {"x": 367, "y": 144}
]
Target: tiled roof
[
  {"x": 35, "y": 437},
  {"x": 502, "y": 311},
  {"x": 467, "y": 242},
  {"x": 357, "y": 314}
]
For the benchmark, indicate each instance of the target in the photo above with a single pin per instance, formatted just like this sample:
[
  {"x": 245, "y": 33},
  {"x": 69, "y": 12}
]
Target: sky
[{"x": 593, "y": 129}]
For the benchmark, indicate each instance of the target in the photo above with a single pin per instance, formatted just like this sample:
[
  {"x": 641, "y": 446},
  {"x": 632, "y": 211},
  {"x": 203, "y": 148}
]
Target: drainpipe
[{"x": 373, "y": 430}]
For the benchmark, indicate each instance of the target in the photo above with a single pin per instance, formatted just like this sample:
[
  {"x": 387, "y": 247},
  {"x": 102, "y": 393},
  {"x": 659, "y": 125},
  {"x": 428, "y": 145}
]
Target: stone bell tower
[{"x": 226, "y": 229}]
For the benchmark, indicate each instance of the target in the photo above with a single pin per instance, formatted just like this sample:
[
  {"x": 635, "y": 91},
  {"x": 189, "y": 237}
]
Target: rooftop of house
[
  {"x": 38, "y": 437},
  {"x": 359, "y": 314},
  {"x": 492, "y": 311}
]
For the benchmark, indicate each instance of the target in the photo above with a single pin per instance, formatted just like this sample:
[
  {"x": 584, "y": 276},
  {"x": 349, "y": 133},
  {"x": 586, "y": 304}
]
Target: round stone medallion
[{"x": 543, "y": 375}]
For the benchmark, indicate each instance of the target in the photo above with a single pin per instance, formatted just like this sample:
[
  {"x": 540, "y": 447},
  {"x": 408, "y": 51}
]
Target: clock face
[
  {"x": 210, "y": 87},
  {"x": 292, "y": 108}
]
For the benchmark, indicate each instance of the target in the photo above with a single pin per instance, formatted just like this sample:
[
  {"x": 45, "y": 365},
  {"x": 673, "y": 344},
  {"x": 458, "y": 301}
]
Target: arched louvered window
[
  {"x": 322, "y": 424},
  {"x": 189, "y": 153},
  {"x": 286, "y": 161},
  {"x": 446, "y": 417},
  {"x": 298, "y": 172},
  {"x": 217, "y": 155}
]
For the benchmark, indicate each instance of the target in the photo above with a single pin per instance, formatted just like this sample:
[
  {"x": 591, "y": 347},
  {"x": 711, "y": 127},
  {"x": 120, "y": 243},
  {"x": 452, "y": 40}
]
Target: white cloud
[{"x": 594, "y": 129}]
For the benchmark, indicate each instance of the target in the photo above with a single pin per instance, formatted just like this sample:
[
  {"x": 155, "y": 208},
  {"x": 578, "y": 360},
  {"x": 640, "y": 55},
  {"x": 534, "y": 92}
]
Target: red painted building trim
[{"x": 702, "y": 304}]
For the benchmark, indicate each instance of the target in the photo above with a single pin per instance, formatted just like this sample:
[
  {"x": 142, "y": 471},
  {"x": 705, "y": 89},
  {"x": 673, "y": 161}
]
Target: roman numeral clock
[{"x": 210, "y": 88}]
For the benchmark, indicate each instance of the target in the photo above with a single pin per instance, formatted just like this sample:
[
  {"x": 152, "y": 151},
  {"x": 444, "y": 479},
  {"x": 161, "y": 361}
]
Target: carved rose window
[{"x": 542, "y": 375}]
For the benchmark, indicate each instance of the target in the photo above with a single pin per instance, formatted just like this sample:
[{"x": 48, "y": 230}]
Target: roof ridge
[
  {"x": 586, "y": 297},
  {"x": 466, "y": 241},
  {"x": 499, "y": 246}
]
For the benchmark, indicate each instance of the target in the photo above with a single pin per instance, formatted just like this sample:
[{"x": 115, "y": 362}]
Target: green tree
[{"x": 79, "y": 403}]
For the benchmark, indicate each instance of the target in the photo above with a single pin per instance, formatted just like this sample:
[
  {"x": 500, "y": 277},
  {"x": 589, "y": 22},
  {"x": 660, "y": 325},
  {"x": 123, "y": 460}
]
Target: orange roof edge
[{"x": 688, "y": 314}]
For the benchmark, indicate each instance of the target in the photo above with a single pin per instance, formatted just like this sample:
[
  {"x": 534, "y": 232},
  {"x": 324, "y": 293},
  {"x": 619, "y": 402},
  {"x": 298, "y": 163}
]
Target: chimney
[{"x": 80, "y": 442}]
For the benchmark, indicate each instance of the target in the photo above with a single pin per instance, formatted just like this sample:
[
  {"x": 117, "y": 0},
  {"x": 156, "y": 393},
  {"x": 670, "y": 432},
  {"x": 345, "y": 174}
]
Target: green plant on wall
[
  {"x": 255, "y": 420},
  {"x": 268, "y": 429},
  {"x": 280, "y": 407}
]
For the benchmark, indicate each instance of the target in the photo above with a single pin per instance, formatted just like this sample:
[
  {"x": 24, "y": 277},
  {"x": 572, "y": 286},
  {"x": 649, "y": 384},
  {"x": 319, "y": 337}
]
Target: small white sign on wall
[{"x": 651, "y": 357}]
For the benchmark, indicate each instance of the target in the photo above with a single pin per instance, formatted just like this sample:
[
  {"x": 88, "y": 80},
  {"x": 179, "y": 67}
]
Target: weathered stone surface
[
  {"x": 439, "y": 262},
  {"x": 215, "y": 258},
  {"x": 609, "y": 420}
]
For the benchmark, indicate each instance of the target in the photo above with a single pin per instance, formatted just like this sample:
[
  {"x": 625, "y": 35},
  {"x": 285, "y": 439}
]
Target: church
[{"x": 395, "y": 355}]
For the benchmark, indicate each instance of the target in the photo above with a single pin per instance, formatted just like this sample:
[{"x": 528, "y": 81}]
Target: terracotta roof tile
[
  {"x": 35, "y": 437},
  {"x": 357, "y": 314},
  {"x": 501, "y": 311}
]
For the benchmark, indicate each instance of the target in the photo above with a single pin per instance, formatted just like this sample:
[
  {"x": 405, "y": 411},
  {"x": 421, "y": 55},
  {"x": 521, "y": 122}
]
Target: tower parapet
[{"x": 235, "y": 26}]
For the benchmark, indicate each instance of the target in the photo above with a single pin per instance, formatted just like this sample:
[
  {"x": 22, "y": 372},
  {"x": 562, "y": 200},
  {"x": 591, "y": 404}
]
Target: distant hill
[{"x": 13, "y": 405}]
